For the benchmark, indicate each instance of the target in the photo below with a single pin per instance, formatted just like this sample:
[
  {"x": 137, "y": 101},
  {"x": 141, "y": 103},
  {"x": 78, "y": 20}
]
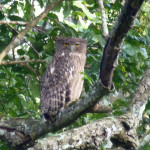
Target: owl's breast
[{"x": 76, "y": 84}]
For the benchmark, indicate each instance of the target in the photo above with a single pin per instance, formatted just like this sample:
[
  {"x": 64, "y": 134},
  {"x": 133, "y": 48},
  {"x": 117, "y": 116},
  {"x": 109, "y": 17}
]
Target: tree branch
[
  {"x": 112, "y": 47},
  {"x": 31, "y": 10},
  {"x": 41, "y": 29},
  {"x": 21, "y": 62},
  {"x": 16, "y": 40},
  {"x": 27, "y": 130},
  {"x": 104, "y": 22},
  {"x": 123, "y": 128},
  {"x": 14, "y": 22},
  {"x": 120, "y": 130}
]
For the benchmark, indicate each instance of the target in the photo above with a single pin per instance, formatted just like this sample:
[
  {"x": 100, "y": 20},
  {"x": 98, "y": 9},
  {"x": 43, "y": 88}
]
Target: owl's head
[{"x": 71, "y": 44}]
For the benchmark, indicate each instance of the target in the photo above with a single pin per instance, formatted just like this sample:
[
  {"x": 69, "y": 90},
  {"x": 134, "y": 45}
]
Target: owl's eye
[
  {"x": 77, "y": 45},
  {"x": 66, "y": 44}
]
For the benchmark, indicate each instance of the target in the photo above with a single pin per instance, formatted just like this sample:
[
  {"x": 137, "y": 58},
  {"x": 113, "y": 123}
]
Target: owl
[{"x": 62, "y": 82}]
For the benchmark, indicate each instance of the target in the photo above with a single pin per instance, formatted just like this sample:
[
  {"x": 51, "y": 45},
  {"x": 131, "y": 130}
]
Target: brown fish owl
[{"x": 62, "y": 82}]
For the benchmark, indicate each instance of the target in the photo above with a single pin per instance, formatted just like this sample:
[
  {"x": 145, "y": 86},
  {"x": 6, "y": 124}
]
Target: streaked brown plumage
[{"x": 62, "y": 82}]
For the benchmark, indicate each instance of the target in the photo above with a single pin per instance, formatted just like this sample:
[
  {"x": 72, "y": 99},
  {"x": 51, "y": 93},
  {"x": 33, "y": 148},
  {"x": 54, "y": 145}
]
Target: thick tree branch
[
  {"x": 123, "y": 128},
  {"x": 27, "y": 130},
  {"x": 16, "y": 40},
  {"x": 104, "y": 22},
  {"x": 112, "y": 48},
  {"x": 120, "y": 130}
]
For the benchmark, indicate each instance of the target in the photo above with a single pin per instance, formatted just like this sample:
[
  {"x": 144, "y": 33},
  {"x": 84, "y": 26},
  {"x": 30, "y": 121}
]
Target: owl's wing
[{"x": 55, "y": 86}]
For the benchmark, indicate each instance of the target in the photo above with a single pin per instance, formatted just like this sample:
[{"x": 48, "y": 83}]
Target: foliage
[{"x": 20, "y": 86}]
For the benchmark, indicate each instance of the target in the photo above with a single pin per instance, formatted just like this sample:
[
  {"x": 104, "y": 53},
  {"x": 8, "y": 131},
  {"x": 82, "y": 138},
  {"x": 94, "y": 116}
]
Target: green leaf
[
  {"x": 20, "y": 52},
  {"x": 85, "y": 10},
  {"x": 31, "y": 54},
  {"x": 35, "y": 88},
  {"x": 13, "y": 8},
  {"x": 80, "y": 14},
  {"x": 15, "y": 18},
  {"x": 136, "y": 22},
  {"x": 101, "y": 40},
  {"x": 88, "y": 35},
  {"x": 1, "y": 15},
  {"x": 48, "y": 60},
  {"x": 144, "y": 52},
  {"x": 41, "y": 3},
  {"x": 53, "y": 16},
  {"x": 129, "y": 49},
  {"x": 27, "y": 9},
  {"x": 87, "y": 77}
]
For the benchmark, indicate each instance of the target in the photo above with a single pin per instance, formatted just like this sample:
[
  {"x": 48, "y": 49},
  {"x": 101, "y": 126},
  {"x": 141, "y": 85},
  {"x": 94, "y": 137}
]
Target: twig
[
  {"x": 104, "y": 22},
  {"x": 41, "y": 29},
  {"x": 31, "y": 11},
  {"x": 23, "y": 23},
  {"x": 21, "y": 62},
  {"x": 16, "y": 40},
  {"x": 13, "y": 53},
  {"x": 31, "y": 69},
  {"x": 14, "y": 22},
  {"x": 24, "y": 40}
]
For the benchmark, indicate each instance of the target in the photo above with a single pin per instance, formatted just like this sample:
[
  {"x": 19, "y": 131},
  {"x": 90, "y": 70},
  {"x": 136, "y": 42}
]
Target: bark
[
  {"x": 120, "y": 130},
  {"x": 112, "y": 47},
  {"x": 14, "y": 22},
  {"x": 104, "y": 22},
  {"x": 21, "y": 61}
]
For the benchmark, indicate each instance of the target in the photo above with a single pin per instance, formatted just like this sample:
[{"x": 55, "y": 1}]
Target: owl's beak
[{"x": 72, "y": 48}]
